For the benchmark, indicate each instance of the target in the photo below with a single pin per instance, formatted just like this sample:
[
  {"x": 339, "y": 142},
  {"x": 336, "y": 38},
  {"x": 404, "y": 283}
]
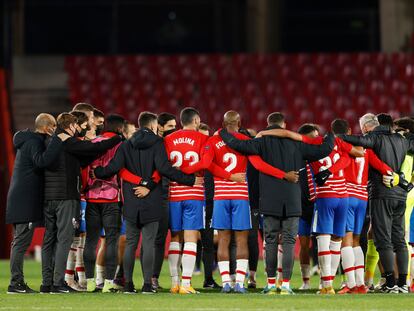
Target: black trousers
[
  {"x": 160, "y": 239},
  {"x": 388, "y": 228},
  {"x": 98, "y": 216},
  {"x": 288, "y": 227},
  {"x": 207, "y": 242},
  {"x": 252, "y": 241},
  {"x": 133, "y": 233},
  {"x": 60, "y": 222},
  {"x": 23, "y": 235}
]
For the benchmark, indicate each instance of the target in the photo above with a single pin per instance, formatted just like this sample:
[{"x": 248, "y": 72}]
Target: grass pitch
[{"x": 208, "y": 300}]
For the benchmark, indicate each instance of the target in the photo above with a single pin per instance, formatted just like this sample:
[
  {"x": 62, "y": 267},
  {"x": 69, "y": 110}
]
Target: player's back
[
  {"x": 335, "y": 186},
  {"x": 232, "y": 162},
  {"x": 183, "y": 150},
  {"x": 356, "y": 176}
]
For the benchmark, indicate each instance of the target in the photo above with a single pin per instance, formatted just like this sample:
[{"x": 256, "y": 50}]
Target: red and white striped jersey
[
  {"x": 356, "y": 176},
  {"x": 184, "y": 148},
  {"x": 232, "y": 162},
  {"x": 335, "y": 186}
]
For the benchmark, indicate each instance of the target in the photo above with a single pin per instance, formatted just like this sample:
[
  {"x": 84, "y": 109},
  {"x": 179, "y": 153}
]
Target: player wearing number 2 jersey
[{"x": 184, "y": 148}]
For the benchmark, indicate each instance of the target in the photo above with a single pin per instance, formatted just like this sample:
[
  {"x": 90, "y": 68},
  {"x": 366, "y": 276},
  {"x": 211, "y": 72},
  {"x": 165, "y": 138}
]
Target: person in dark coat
[
  {"x": 62, "y": 198},
  {"x": 280, "y": 201},
  {"x": 387, "y": 204},
  {"x": 143, "y": 154},
  {"x": 25, "y": 197}
]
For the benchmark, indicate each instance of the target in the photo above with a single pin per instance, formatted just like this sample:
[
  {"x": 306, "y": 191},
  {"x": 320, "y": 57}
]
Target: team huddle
[{"x": 103, "y": 180}]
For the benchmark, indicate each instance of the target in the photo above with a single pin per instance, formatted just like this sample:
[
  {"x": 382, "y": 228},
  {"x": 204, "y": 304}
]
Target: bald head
[
  {"x": 232, "y": 121},
  {"x": 45, "y": 123}
]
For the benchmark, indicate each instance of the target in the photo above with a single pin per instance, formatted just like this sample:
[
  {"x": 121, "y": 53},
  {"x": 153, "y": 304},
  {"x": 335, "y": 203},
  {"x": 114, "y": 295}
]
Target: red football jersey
[
  {"x": 184, "y": 148},
  {"x": 335, "y": 186},
  {"x": 356, "y": 176},
  {"x": 232, "y": 162}
]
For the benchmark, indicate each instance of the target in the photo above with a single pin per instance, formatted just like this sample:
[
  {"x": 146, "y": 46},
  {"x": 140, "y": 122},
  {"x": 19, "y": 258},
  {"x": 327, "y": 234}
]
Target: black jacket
[
  {"x": 391, "y": 148},
  {"x": 278, "y": 197},
  {"x": 63, "y": 178},
  {"x": 25, "y": 197},
  {"x": 143, "y": 154},
  {"x": 307, "y": 204}
]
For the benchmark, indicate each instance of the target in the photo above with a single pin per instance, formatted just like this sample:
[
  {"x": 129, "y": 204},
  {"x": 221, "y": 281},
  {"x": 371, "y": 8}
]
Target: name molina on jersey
[{"x": 183, "y": 140}]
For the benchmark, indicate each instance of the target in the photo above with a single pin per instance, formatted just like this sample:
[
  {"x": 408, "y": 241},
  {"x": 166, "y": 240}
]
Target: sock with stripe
[
  {"x": 224, "y": 268},
  {"x": 335, "y": 248},
  {"x": 324, "y": 258},
  {"x": 271, "y": 282},
  {"x": 359, "y": 265},
  {"x": 372, "y": 258},
  {"x": 188, "y": 262},
  {"x": 279, "y": 263},
  {"x": 305, "y": 270},
  {"x": 286, "y": 283},
  {"x": 100, "y": 274},
  {"x": 241, "y": 269},
  {"x": 348, "y": 261},
  {"x": 70, "y": 264},
  {"x": 174, "y": 256},
  {"x": 80, "y": 265}
]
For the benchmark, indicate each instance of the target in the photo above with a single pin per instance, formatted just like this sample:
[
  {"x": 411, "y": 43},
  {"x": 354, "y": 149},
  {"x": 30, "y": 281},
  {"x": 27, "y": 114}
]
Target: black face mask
[
  {"x": 99, "y": 129},
  {"x": 82, "y": 133},
  {"x": 168, "y": 132}
]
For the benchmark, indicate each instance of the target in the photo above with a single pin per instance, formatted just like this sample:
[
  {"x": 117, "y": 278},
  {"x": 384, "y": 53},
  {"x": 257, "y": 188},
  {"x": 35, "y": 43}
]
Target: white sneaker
[
  {"x": 305, "y": 286},
  {"x": 380, "y": 284},
  {"x": 315, "y": 270}
]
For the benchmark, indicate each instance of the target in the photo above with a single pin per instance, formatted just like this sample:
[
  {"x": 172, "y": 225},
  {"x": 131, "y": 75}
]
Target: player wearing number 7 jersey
[{"x": 356, "y": 176}]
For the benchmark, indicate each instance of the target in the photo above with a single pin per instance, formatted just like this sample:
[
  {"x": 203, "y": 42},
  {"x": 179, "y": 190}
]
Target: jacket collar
[
  {"x": 382, "y": 129},
  {"x": 109, "y": 134}
]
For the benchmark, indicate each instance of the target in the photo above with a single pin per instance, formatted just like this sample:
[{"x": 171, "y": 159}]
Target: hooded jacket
[
  {"x": 63, "y": 177},
  {"x": 143, "y": 154},
  {"x": 391, "y": 148},
  {"x": 278, "y": 197},
  {"x": 25, "y": 196}
]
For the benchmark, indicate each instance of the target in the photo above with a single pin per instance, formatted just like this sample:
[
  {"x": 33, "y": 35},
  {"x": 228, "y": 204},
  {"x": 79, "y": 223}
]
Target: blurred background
[{"x": 312, "y": 60}]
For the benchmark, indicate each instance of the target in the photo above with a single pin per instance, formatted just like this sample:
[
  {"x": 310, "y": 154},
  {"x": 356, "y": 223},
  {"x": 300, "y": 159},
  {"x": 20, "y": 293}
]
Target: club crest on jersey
[{"x": 183, "y": 140}]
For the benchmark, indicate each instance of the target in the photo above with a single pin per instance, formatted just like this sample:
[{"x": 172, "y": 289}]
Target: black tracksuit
[
  {"x": 387, "y": 205},
  {"x": 25, "y": 196},
  {"x": 143, "y": 154},
  {"x": 280, "y": 201},
  {"x": 62, "y": 203}
]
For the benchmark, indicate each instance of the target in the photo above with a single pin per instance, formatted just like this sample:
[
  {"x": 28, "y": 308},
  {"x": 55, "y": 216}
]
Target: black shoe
[
  {"x": 21, "y": 288},
  {"x": 129, "y": 288},
  {"x": 148, "y": 289},
  {"x": 389, "y": 290},
  {"x": 211, "y": 284},
  {"x": 251, "y": 284},
  {"x": 45, "y": 289},
  {"x": 63, "y": 289}
]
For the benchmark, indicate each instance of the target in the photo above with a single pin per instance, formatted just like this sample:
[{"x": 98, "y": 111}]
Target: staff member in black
[
  {"x": 62, "y": 199},
  {"x": 25, "y": 197},
  {"x": 386, "y": 205},
  {"x": 143, "y": 154},
  {"x": 280, "y": 201}
]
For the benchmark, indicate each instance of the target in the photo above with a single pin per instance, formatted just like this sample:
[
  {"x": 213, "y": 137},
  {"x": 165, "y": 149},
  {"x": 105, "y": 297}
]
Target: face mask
[
  {"x": 99, "y": 129},
  {"x": 82, "y": 133},
  {"x": 168, "y": 132}
]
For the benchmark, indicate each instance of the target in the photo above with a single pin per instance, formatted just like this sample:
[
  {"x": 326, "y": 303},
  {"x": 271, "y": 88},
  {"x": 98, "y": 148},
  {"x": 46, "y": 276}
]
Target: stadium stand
[{"x": 328, "y": 85}]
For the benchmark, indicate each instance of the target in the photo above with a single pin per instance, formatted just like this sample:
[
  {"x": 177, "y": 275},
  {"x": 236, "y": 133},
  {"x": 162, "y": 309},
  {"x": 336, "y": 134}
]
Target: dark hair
[
  {"x": 405, "y": 123},
  {"x": 204, "y": 127},
  {"x": 275, "y": 118},
  {"x": 81, "y": 116},
  {"x": 145, "y": 118},
  {"x": 164, "y": 117},
  {"x": 308, "y": 128},
  {"x": 65, "y": 119},
  {"x": 97, "y": 113},
  {"x": 385, "y": 119},
  {"x": 114, "y": 123},
  {"x": 187, "y": 115},
  {"x": 83, "y": 107},
  {"x": 339, "y": 126}
]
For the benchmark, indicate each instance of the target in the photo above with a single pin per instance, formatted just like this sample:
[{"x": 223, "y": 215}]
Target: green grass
[{"x": 206, "y": 301}]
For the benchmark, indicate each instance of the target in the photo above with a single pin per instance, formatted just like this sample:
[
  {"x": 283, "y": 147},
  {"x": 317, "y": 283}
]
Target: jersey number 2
[{"x": 177, "y": 158}]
